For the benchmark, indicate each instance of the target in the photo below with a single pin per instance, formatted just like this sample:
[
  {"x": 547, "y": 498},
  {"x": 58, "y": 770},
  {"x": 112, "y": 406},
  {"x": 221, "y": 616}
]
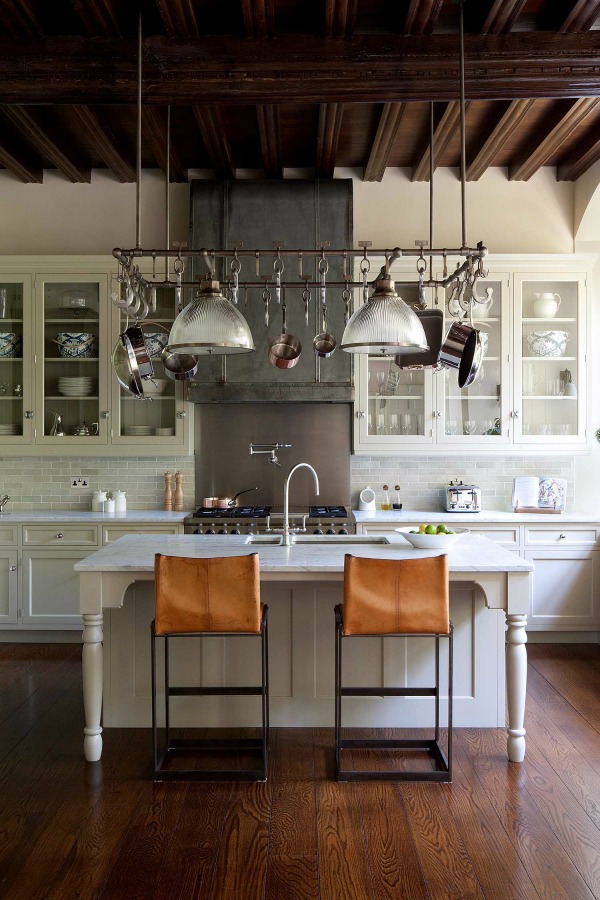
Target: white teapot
[{"x": 546, "y": 305}]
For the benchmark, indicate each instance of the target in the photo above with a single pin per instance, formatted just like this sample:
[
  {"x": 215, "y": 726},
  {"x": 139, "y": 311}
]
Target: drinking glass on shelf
[
  {"x": 487, "y": 425},
  {"x": 380, "y": 382},
  {"x": 394, "y": 423},
  {"x": 420, "y": 424},
  {"x": 406, "y": 423},
  {"x": 380, "y": 423},
  {"x": 470, "y": 425},
  {"x": 451, "y": 426},
  {"x": 553, "y": 387},
  {"x": 370, "y": 426}
]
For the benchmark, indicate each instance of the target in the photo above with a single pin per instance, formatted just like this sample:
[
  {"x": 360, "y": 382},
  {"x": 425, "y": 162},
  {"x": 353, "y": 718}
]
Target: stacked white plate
[
  {"x": 75, "y": 386},
  {"x": 9, "y": 429},
  {"x": 164, "y": 432},
  {"x": 137, "y": 430}
]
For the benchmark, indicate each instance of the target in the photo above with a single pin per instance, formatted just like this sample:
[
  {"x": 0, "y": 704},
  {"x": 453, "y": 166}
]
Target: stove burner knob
[
  {"x": 210, "y": 531},
  {"x": 330, "y": 531},
  {"x": 222, "y": 531},
  {"x": 198, "y": 531},
  {"x": 318, "y": 531},
  {"x": 342, "y": 531},
  {"x": 236, "y": 530}
]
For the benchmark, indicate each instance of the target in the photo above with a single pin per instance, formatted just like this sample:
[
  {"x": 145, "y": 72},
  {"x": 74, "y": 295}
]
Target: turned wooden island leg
[
  {"x": 516, "y": 685},
  {"x": 92, "y": 659}
]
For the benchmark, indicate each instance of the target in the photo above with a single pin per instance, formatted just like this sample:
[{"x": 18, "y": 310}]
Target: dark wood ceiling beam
[
  {"x": 104, "y": 143},
  {"x": 154, "y": 134},
  {"x": 495, "y": 141},
  {"x": 387, "y": 130},
  {"x": 443, "y": 133},
  {"x": 422, "y": 16},
  {"x": 545, "y": 147},
  {"x": 259, "y": 18},
  {"x": 502, "y": 16},
  {"x": 581, "y": 159},
  {"x": 179, "y": 18},
  {"x": 269, "y": 129},
  {"x": 33, "y": 133},
  {"x": 340, "y": 18},
  {"x": 370, "y": 68},
  {"x": 16, "y": 165},
  {"x": 19, "y": 19},
  {"x": 330, "y": 124},
  {"x": 208, "y": 120},
  {"x": 582, "y": 16},
  {"x": 99, "y": 17}
]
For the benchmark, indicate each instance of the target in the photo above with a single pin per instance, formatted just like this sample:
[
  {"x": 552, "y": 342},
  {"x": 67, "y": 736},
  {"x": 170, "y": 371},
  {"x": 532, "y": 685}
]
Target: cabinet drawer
[
  {"x": 9, "y": 535},
  {"x": 111, "y": 533},
  {"x": 46, "y": 535},
  {"x": 584, "y": 536},
  {"x": 508, "y": 537}
]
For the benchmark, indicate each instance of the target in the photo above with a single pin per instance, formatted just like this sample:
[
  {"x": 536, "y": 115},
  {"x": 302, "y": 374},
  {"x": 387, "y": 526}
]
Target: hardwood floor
[{"x": 71, "y": 829}]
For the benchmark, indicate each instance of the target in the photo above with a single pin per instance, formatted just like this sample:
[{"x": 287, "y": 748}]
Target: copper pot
[{"x": 224, "y": 502}]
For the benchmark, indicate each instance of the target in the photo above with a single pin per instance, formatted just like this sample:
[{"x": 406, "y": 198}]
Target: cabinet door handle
[
  {"x": 12, "y": 568},
  {"x": 29, "y": 414},
  {"x": 515, "y": 413},
  {"x": 562, "y": 537},
  {"x": 59, "y": 535},
  {"x": 360, "y": 414}
]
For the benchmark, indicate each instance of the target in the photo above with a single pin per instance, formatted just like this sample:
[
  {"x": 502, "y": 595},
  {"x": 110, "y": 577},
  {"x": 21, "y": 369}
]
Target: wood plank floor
[{"x": 71, "y": 829}]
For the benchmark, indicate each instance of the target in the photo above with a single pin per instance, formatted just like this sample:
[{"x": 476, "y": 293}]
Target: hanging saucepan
[
  {"x": 471, "y": 360},
  {"x": 432, "y": 321},
  {"x": 128, "y": 377},
  {"x": 463, "y": 350},
  {"x": 137, "y": 352},
  {"x": 179, "y": 366},
  {"x": 285, "y": 349},
  {"x": 324, "y": 343}
]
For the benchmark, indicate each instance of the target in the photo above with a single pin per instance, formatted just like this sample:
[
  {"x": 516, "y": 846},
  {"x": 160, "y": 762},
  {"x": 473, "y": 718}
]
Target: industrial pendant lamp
[
  {"x": 210, "y": 324},
  {"x": 384, "y": 325}
]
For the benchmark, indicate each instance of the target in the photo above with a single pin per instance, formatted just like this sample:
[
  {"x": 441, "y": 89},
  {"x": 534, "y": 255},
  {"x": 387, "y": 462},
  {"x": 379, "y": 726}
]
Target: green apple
[
  {"x": 441, "y": 529},
  {"x": 431, "y": 529}
]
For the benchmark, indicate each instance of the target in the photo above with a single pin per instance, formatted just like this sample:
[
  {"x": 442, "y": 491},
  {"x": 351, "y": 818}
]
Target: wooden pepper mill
[
  {"x": 168, "y": 493},
  {"x": 178, "y": 506}
]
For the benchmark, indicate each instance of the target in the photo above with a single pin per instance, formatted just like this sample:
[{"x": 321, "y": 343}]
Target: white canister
[
  {"x": 109, "y": 505},
  {"x": 98, "y": 501},
  {"x": 120, "y": 501}
]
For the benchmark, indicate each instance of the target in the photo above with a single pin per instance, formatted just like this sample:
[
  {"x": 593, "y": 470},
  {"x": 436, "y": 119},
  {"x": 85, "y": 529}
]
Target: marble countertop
[
  {"x": 473, "y": 553},
  {"x": 44, "y": 516},
  {"x": 488, "y": 516}
]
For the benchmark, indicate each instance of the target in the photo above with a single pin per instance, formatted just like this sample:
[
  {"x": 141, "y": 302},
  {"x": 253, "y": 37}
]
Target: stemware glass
[{"x": 470, "y": 425}]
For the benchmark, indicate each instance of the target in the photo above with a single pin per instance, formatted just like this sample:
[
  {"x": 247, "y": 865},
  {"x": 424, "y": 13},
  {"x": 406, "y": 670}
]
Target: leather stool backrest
[
  {"x": 217, "y": 594},
  {"x": 396, "y": 596}
]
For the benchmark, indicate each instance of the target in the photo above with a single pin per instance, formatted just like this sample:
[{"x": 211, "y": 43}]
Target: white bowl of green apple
[{"x": 432, "y": 537}]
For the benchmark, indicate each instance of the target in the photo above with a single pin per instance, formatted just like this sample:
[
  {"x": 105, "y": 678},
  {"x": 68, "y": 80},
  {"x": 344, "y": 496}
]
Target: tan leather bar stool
[
  {"x": 207, "y": 598},
  {"x": 401, "y": 598}
]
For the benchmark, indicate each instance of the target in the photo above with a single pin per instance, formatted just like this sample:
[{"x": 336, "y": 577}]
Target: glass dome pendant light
[
  {"x": 210, "y": 324},
  {"x": 384, "y": 325}
]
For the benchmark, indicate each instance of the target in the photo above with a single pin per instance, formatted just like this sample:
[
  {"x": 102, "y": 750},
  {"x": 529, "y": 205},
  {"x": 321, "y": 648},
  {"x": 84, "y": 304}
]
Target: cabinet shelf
[
  {"x": 71, "y": 359},
  {"x": 395, "y": 397},
  {"x": 71, "y": 321},
  {"x": 11, "y": 359},
  {"x": 547, "y": 397},
  {"x": 552, "y": 359},
  {"x": 532, "y": 320},
  {"x": 60, "y": 397},
  {"x": 470, "y": 397}
]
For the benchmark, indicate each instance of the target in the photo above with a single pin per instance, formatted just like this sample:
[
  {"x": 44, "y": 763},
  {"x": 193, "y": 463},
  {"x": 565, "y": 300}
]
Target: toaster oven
[{"x": 463, "y": 497}]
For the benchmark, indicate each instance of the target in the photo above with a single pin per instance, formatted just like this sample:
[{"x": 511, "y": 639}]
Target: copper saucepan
[{"x": 223, "y": 502}]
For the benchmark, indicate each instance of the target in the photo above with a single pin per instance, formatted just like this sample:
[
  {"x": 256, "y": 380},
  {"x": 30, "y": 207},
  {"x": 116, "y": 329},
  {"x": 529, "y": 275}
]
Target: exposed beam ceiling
[
  {"x": 30, "y": 129},
  {"x": 502, "y": 16},
  {"x": 98, "y": 16},
  {"x": 422, "y": 16},
  {"x": 15, "y": 164},
  {"x": 443, "y": 133},
  {"x": 340, "y": 17},
  {"x": 105, "y": 143},
  {"x": 269, "y": 129},
  {"x": 581, "y": 159},
  {"x": 20, "y": 20},
  {"x": 581, "y": 17},
  {"x": 154, "y": 134},
  {"x": 387, "y": 130},
  {"x": 330, "y": 123},
  {"x": 179, "y": 18},
  {"x": 508, "y": 123},
  {"x": 208, "y": 120},
  {"x": 259, "y": 18}
]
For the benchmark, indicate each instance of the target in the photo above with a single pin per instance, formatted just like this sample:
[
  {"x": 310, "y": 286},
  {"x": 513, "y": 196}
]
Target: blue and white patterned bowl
[
  {"x": 548, "y": 343},
  {"x": 156, "y": 341},
  {"x": 11, "y": 344},
  {"x": 76, "y": 344}
]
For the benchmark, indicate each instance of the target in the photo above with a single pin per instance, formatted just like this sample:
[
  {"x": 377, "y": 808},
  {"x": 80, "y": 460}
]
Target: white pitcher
[{"x": 546, "y": 305}]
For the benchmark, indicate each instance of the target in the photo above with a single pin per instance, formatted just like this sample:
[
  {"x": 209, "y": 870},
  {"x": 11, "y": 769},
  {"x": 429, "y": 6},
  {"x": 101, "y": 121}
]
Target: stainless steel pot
[
  {"x": 179, "y": 366},
  {"x": 285, "y": 349},
  {"x": 324, "y": 343},
  {"x": 137, "y": 352},
  {"x": 471, "y": 359},
  {"x": 454, "y": 344},
  {"x": 224, "y": 502}
]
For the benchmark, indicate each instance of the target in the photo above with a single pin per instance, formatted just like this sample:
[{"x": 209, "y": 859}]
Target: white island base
[{"x": 301, "y": 587}]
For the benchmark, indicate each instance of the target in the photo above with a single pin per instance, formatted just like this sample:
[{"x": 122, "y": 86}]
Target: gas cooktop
[{"x": 233, "y": 512}]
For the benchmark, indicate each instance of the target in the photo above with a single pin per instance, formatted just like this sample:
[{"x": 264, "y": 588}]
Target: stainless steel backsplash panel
[{"x": 320, "y": 434}]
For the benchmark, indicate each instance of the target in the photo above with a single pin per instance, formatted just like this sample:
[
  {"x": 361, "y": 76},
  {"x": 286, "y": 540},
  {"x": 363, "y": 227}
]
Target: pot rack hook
[
  {"x": 306, "y": 300},
  {"x": 300, "y": 275},
  {"x": 266, "y": 295},
  {"x": 278, "y": 267},
  {"x": 346, "y": 296},
  {"x": 235, "y": 267}
]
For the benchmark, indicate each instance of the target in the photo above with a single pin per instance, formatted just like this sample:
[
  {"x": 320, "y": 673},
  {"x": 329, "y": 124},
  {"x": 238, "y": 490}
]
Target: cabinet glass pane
[
  {"x": 550, "y": 358},
  {"x": 71, "y": 363},
  {"x": 396, "y": 399},
  {"x": 11, "y": 359},
  {"x": 154, "y": 415},
  {"x": 476, "y": 410}
]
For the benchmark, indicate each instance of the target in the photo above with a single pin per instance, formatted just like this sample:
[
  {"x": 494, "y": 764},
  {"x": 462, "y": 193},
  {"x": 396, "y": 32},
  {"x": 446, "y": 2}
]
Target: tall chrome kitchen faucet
[{"x": 286, "y": 499}]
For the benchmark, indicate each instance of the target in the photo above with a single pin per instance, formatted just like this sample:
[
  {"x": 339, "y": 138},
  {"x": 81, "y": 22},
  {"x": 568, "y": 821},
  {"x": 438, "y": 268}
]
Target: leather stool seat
[
  {"x": 401, "y": 598},
  {"x": 206, "y": 598}
]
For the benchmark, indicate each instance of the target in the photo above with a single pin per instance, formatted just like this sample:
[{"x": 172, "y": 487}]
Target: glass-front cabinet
[
  {"x": 398, "y": 404},
  {"x": 550, "y": 359},
  {"x": 15, "y": 354},
  {"x": 159, "y": 417},
  {"x": 71, "y": 404}
]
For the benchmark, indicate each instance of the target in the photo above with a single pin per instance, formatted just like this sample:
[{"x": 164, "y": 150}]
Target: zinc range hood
[{"x": 262, "y": 392}]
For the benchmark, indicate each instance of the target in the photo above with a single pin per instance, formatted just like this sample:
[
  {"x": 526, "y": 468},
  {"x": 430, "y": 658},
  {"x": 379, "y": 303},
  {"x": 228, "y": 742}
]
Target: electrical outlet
[{"x": 79, "y": 482}]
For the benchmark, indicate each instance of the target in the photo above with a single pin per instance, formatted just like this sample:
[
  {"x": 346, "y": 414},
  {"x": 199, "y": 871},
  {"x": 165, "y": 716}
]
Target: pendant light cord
[
  {"x": 463, "y": 165},
  {"x": 138, "y": 194}
]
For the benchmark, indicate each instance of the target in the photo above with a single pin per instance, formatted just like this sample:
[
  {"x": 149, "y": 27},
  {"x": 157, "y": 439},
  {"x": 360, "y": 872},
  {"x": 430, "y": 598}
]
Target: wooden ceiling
[{"x": 309, "y": 84}]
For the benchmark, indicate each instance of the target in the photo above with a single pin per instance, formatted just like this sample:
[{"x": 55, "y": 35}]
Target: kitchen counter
[
  {"x": 301, "y": 583},
  {"x": 49, "y": 516},
  {"x": 410, "y": 516}
]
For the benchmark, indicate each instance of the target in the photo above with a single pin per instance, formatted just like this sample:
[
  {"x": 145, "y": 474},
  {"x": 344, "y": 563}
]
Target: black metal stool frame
[
  {"x": 178, "y": 745},
  {"x": 444, "y": 771}
]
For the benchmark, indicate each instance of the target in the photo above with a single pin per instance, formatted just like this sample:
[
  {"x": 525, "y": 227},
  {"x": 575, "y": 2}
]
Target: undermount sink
[{"x": 351, "y": 539}]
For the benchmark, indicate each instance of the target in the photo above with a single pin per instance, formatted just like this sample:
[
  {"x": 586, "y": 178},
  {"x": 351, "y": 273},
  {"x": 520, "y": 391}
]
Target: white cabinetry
[
  {"x": 530, "y": 392},
  {"x": 46, "y": 304}
]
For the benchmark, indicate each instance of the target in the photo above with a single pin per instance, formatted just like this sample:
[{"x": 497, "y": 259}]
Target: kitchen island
[{"x": 302, "y": 583}]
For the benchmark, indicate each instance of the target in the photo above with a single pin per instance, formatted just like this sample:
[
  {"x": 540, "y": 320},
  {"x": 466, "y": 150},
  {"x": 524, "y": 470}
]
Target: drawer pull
[
  {"x": 12, "y": 568},
  {"x": 59, "y": 535},
  {"x": 562, "y": 537}
]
